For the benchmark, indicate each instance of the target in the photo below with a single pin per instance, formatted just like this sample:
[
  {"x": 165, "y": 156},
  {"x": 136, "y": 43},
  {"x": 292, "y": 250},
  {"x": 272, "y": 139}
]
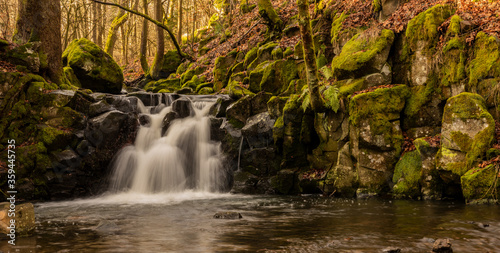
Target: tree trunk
[
  {"x": 41, "y": 21},
  {"x": 179, "y": 23},
  {"x": 101, "y": 12},
  {"x": 119, "y": 20},
  {"x": 144, "y": 39},
  {"x": 160, "y": 49},
  {"x": 317, "y": 103}
]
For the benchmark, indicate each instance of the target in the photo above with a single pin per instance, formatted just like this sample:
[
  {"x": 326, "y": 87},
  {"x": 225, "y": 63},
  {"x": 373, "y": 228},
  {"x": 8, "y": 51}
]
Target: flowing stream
[{"x": 165, "y": 191}]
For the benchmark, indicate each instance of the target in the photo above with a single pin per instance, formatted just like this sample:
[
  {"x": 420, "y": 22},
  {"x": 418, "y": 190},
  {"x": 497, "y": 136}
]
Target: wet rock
[
  {"x": 148, "y": 98},
  {"x": 260, "y": 161},
  {"x": 99, "y": 108},
  {"x": 61, "y": 97},
  {"x": 442, "y": 246},
  {"x": 219, "y": 108},
  {"x": 227, "y": 215},
  {"x": 216, "y": 133},
  {"x": 105, "y": 128},
  {"x": 259, "y": 130},
  {"x": 167, "y": 120},
  {"x": 25, "y": 218},
  {"x": 239, "y": 111},
  {"x": 107, "y": 227},
  {"x": 122, "y": 103},
  {"x": 145, "y": 120},
  {"x": 391, "y": 250},
  {"x": 185, "y": 90},
  {"x": 182, "y": 107},
  {"x": 285, "y": 181},
  {"x": 259, "y": 102}
]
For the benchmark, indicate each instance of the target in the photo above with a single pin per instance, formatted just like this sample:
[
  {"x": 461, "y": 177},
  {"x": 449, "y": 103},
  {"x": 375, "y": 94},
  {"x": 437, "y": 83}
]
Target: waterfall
[{"x": 183, "y": 158}]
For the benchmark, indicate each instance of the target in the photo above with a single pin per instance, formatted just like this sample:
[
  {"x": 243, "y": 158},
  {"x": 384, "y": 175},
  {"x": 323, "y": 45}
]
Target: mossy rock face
[
  {"x": 26, "y": 55},
  {"x": 453, "y": 71},
  {"x": 407, "y": 176},
  {"x": 71, "y": 77},
  {"x": 423, "y": 107},
  {"x": 94, "y": 68},
  {"x": 256, "y": 75},
  {"x": 343, "y": 179},
  {"x": 171, "y": 61},
  {"x": 486, "y": 62},
  {"x": 276, "y": 76},
  {"x": 467, "y": 133},
  {"x": 264, "y": 53},
  {"x": 365, "y": 53},
  {"x": 480, "y": 185},
  {"x": 420, "y": 39},
  {"x": 238, "y": 112},
  {"x": 376, "y": 138},
  {"x": 222, "y": 70},
  {"x": 267, "y": 12},
  {"x": 236, "y": 91}
]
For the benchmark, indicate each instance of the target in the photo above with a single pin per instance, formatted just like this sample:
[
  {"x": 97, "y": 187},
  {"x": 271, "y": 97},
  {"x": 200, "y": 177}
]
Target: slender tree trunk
[
  {"x": 144, "y": 39},
  {"x": 317, "y": 103},
  {"x": 119, "y": 20},
  {"x": 179, "y": 23},
  {"x": 41, "y": 21},
  {"x": 101, "y": 12},
  {"x": 94, "y": 22},
  {"x": 160, "y": 49}
]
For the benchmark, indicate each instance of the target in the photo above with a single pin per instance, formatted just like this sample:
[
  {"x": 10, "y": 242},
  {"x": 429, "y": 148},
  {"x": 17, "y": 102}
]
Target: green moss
[
  {"x": 187, "y": 76},
  {"x": 203, "y": 85},
  {"x": 348, "y": 87},
  {"x": 463, "y": 141},
  {"x": 453, "y": 68},
  {"x": 419, "y": 97},
  {"x": 407, "y": 175},
  {"x": 486, "y": 60},
  {"x": 383, "y": 101},
  {"x": 288, "y": 52},
  {"x": 337, "y": 25},
  {"x": 277, "y": 53},
  {"x": 359, "y": 51},
  {"x": 237, "y": 91},
  {"x": 454, "y": 27},
  {"x": 481, "y": 184},
  {"x": 206, "y": 91},
  {"x": 376, "y": 5},
  {"x": 236, "y": 123},
  {"x": 267, "y": 12},
  {"x": 250, "y": 56},
  {"x": 168, "y": 84},
  {"x": 424, "y": 26},
  {"x": 71, "y": 77}
]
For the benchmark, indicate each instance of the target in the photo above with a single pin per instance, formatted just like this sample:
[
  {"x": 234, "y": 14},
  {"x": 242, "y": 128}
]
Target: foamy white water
[{"x": 184, "y": 158}]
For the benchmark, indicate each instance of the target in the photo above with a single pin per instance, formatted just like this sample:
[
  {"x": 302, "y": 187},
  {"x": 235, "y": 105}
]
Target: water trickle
[{"x": 184, "y": 158}]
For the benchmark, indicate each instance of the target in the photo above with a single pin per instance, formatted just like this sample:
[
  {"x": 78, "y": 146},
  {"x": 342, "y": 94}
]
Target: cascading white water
[{"x": 183, "y": 158}]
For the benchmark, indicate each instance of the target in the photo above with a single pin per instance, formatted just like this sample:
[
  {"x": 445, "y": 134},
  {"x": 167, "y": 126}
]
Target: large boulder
[
  {"x": 94, "y": 68},
  {"x": 467, "y": 133},
  {"x": 365, "y": 53},
  {"x": 479, "y": 185},
  {"x": 375, "y": 135},
  {"x": 259, "y": 130}
]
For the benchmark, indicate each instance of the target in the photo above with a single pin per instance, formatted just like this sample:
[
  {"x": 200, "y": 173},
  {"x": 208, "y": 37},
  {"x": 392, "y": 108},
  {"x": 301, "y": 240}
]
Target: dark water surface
[{"x": 183, "y": 223}]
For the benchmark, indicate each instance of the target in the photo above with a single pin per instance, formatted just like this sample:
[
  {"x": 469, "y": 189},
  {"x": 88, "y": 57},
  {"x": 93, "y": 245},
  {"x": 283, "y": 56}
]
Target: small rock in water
[
  {"x": 227, "y": 215},
  {"x": 144, "y": 120},
  {"x": 391, "y": 250},
  {"x": 442, "y": 246}
]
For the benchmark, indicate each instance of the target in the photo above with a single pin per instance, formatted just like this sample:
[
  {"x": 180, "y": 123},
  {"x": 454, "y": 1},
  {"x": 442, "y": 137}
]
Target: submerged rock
[
  {"x": 227, "y": 215},
  {"x": 442, "y": 246}
]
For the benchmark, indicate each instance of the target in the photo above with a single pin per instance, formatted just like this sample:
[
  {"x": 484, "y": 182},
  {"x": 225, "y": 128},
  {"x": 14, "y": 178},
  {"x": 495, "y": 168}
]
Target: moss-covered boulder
[
  {"x": 236, "y": 90},
  {"x": 27, "y": 57},
  {"x": 480, "y": 185},
  {"x": 222, "y": 71},
  {"x": 452, "y": 72},
  {"x": 467, "y": 133},
  {"x": 94, "y": 68},
  {"x": 365, "y": 53},
  {"x": 264, "y": 53},
  {"x": 375, "y": 135},
  {"x": 169, "y": 85},
  {"x": 273, "y": 77},
  {"x": 267, "y": 12},
  {"x": 171, "y": 61}
]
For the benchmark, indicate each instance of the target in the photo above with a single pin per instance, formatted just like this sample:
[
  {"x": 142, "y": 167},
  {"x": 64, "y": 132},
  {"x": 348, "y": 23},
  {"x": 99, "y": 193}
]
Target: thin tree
[
  {"x": 144, "y": 39},
  {"x": 160, "y": 49},
  {"x": 179, "y": 23},
  {"x": 119, "y": 20},
  {"x": 317, "y": 102}
]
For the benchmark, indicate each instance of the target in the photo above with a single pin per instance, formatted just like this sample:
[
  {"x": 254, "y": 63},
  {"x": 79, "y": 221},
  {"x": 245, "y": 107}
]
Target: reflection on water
[{"x": 183, "y": 222}]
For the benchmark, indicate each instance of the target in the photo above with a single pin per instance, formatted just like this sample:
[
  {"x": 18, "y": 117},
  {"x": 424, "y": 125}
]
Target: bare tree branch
[{"x": 164, "y": 27}]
